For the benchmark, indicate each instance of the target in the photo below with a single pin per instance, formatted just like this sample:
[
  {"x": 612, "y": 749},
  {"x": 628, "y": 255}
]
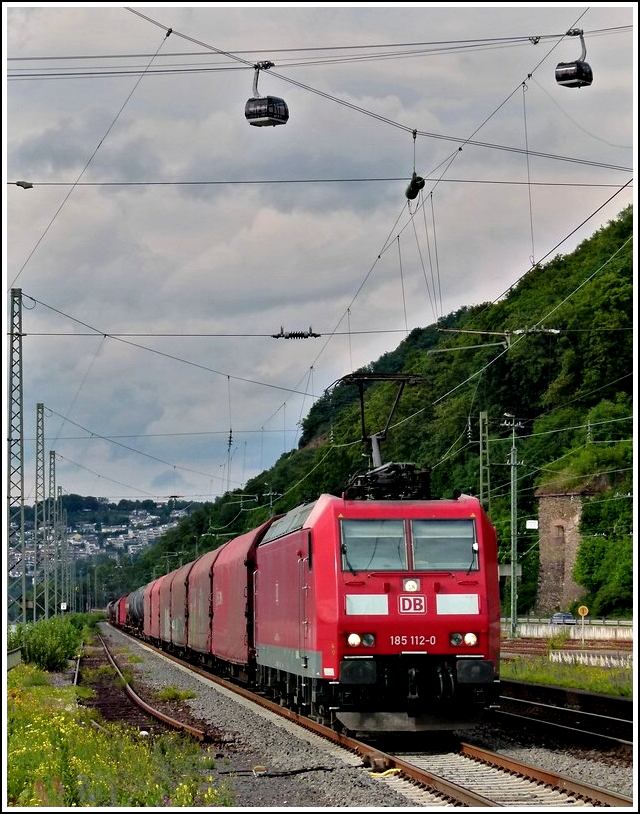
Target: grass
[
  {"x": 92, "y": 674},
  {"x": 56, "y": 758},
  {"x": 539, "y": 670},
  {"x": 173, "y": 694}
]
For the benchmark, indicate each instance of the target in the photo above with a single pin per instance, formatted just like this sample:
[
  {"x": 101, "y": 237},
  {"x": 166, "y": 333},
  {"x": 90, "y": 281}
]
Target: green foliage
[
  {"x": 56, "y": 759},
  {"x": 173, "y": 694},
  {"x": 49, "y": 643},
  {"x": 605, "y": 568},
  {"x": 574, "y": 676},
  {"x": 557, "y": 640},
  {"x": 571, "y": 391}
]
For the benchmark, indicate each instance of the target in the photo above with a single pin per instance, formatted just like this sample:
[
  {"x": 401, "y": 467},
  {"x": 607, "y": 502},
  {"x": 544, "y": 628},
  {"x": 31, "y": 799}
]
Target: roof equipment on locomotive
[
  {"x": 265, "y": 111},
  {"x": 576, "y": 74}
]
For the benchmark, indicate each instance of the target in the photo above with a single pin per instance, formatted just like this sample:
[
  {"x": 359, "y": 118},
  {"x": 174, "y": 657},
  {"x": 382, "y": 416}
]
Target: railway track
[
  {"x": 556, "y": 712},
  {"x": 115, "y": 700},
  {"x": 467, "y": 775},
  {"x": 477, "y": 777}
]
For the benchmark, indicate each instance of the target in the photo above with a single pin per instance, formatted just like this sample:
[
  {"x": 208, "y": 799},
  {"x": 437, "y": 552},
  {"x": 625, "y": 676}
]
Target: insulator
[{"x": 415, "y": 185}]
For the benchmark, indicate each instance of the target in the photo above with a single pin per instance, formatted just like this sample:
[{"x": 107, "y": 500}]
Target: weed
[
  {"x": 173, "y": 694},
  {"x": 55, "y": 759},
  {"x": 557, "y": 640},
  {"x": 92, "y": 674}
]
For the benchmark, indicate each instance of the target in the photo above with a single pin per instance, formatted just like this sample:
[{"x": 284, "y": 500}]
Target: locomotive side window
[
  {"x": 292, "y": 521},
  {"x": 373, "y": 545},
  {"x": 444, "y": 545}
]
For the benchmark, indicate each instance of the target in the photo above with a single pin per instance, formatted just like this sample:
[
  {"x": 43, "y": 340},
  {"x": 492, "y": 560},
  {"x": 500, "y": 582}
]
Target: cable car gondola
[
  {"x": 575, "y": 74},
  {"x": 265, "y": 111}
]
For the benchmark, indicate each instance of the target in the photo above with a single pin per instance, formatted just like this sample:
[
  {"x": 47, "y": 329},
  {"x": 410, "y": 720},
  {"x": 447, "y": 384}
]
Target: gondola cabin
[
  {"x": 266, "y": 111},
  {"x": 574, "y": 74}
]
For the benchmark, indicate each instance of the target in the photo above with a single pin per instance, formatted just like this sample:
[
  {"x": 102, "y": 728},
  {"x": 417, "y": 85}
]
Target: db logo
[{"x": 412, "y": 603}]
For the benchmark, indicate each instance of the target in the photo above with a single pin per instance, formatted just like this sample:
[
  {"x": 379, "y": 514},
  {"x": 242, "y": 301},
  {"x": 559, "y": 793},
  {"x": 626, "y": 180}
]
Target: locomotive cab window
[
  {"x": 373, "y": 545},
  {"x": 444, "y": 545}
]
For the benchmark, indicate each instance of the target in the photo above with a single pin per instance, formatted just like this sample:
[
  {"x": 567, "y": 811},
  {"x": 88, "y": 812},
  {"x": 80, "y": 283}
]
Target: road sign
[{"x": 583, "y": 610}]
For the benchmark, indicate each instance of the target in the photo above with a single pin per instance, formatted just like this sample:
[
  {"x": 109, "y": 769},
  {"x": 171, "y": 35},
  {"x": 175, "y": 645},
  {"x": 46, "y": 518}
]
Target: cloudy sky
[{"x": 165, "y": 241}]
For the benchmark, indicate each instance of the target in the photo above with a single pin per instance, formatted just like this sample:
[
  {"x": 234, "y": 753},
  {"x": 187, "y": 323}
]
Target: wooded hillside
[{"x": 555, "y": 354}]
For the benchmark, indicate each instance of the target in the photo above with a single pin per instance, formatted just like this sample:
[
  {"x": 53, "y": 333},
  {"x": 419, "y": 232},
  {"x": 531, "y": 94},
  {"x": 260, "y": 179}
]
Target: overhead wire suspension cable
[{"x": 91, "y": 157}]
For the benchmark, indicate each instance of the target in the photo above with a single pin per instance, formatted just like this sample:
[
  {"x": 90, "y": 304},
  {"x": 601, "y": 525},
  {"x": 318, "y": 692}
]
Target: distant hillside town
[{"x": 85, "y": 539}]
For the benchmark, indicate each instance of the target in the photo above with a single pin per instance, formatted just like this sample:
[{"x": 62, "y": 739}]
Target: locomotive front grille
[{"x": 358, "y": 671}]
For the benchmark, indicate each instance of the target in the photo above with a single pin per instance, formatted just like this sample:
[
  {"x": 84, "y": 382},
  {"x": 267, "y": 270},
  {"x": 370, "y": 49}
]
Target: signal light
[
  {"x": 469, "y": 639},
  {"x": 355, "y": 639}
]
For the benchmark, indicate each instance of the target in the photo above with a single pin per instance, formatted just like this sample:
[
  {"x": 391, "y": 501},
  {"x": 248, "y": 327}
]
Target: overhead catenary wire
[
  {"x": 264, "y": 182},
  {"x": 91, "y": 435},
  {"x": 423, "y": 48},
  {"x": 84, "y": 169},
  {"x": 526, "y": 141},
  {"x": 118, "y": 338},
  {"x": 350, "y": 332},
  {"x": 466, "y": 141}
]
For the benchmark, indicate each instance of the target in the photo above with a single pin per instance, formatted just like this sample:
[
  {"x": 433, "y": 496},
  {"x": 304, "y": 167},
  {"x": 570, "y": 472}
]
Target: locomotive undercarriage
[
  {"x": 403, "y": 695},
  {"x": 373, "y": 695}
]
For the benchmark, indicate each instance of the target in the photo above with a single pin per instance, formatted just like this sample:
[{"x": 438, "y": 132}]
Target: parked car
[{"x": 563, "y": 619}]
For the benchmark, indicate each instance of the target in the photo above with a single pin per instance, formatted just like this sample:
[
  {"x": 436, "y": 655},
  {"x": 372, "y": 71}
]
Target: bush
[{"x": 49, "y": 643}]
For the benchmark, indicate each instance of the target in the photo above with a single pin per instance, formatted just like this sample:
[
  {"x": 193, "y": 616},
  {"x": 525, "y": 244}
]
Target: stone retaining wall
[
  {"x": 601, "y": 632},
  {"x": 591, "y": 659}
]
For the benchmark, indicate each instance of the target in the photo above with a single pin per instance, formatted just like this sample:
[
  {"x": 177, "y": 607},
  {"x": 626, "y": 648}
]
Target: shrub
[{"x": 48, "y": 643}]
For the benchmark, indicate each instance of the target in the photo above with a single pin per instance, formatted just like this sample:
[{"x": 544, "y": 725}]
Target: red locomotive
[{"x": 375, "y": 614}]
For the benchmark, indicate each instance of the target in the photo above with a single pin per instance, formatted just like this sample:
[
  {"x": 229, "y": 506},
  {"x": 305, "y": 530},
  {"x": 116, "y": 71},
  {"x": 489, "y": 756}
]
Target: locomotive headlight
[
  {"x": 356, "y": 639},
  {"x": 410, "y": 585},
  {"x": 470, "y": 639},
  {"x": 455, "y": 639}
]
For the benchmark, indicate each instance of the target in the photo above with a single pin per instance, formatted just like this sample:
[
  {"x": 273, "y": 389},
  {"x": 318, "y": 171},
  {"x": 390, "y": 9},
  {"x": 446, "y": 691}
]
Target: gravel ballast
[{"x": 266, "y": 765}]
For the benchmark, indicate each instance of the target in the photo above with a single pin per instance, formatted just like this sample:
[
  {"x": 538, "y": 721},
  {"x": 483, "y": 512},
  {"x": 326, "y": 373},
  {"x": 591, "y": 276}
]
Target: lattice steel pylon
[
  {"x": 52, "y": 525},
  {"x": 65, "y": 602},
  {"x": 16, "y": 549},
  {"x": 40, "y": 548}
]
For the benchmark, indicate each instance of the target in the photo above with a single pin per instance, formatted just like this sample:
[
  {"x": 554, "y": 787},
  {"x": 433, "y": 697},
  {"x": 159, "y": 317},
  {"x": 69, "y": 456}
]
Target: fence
[
  {"x": 591, "y": 659},
  {"x": 14, "y": 657},
  {"x": 592, "y": 629}
]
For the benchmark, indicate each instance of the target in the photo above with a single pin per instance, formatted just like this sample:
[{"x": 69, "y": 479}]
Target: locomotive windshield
[
  {"x": 383, "y": 545},
  {"x": 444, "y": 545},
  {"x": 374, "y": 545}
]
